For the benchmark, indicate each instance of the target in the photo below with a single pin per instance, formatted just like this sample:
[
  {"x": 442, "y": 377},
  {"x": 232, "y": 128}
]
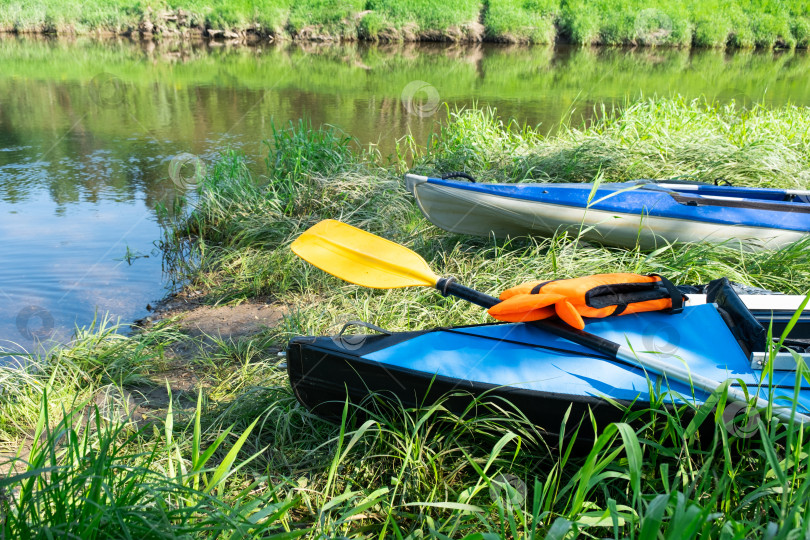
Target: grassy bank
[
  {"x": 713, "y": 23},
  {"x": 244, "y": 458}
]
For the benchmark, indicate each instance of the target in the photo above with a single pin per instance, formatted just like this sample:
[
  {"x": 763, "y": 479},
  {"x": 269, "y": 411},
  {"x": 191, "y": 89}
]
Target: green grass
[
  {"x": 713, "y": 23},
  {"x": 86, "y": 476},
  {"x": 522, "y": 21},
  {"x": 247, "y": 460},
  {"x": 613, "y": 22},
  {"x": 331, "y": 17},
  {"x": 270, "y": 15},
  {"x": 644, "y": 139},
  {"x": 668, "y": 23},
  {"x": 396, "y": 20}
]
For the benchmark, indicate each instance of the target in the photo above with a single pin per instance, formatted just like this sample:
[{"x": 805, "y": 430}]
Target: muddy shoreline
[
  {"x": 203, "y": 319},
  {"x": 206, "y": 327}
]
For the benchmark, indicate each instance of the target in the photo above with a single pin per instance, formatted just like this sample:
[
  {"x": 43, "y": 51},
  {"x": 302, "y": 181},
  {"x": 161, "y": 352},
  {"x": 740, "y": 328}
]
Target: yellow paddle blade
[{"x": 362, "y": 258}]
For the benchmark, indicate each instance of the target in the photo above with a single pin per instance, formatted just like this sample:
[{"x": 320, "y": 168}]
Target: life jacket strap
[
  {"x": 536, "y": 288},
  {"x": 675, "y": 295}
]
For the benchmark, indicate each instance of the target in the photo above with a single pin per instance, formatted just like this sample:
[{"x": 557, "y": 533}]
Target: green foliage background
[{"x": 671, "y": 23}]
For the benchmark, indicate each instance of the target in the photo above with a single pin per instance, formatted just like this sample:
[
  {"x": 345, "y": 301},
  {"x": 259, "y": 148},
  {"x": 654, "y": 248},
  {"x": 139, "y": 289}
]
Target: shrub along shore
[
  {"x": 237, "y": 455},
  {"x": 668, "y": 23}
]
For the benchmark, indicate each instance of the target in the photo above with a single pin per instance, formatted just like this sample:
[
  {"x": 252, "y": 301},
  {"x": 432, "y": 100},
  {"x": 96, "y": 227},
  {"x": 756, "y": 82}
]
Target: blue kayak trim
[
  {"x": 650, "y": 199},
  {"x": 476, "y": 354}
]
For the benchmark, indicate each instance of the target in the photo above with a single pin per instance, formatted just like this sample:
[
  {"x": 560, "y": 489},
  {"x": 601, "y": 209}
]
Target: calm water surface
[{"x": 88, "y": 131}]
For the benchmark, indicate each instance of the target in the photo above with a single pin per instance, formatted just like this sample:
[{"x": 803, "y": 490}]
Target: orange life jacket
[{"x": 600, "y": 295}]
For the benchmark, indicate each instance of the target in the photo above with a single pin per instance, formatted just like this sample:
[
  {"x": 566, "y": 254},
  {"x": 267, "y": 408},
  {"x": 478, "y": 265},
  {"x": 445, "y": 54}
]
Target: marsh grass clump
[
  {"x": 651, "y": 138},
  {"x": 324, "y": 18},
  {"x": 392, "y": 20},
  {"x": 86, "y": 476},
  {"x": 242, "y": 224},
  {"x": 520, "y": 21},
  {"x": 99, "y": 356}
]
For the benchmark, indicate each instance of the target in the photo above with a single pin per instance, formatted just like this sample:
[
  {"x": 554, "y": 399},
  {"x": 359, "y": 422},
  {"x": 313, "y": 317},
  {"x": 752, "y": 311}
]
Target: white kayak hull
[{"x": 486, "y": 214}]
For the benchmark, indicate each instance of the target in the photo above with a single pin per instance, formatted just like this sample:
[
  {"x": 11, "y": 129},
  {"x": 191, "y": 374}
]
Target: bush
[
  {"x": 800, "y": 26},
  {"x": 516, "y": 21},
  {"x": 370, "y": 26},
  {"x": 335, "y": 17},
  {"x": 709, "y": 32},
  {"x": 427, "y": 14},
  {"x": 771, "y": 30}
]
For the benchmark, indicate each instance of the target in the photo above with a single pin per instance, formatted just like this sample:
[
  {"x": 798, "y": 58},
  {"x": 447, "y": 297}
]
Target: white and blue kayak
[
  {"x": 544, "y": 376},
  {"x": 645, "y": 213}
]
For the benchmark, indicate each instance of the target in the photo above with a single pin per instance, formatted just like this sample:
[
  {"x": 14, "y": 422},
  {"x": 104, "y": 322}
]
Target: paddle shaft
[
  {"x": 676, "y": 370},
  {"x": 695, "y": 187},
  {"x": 449, "y": 286}
]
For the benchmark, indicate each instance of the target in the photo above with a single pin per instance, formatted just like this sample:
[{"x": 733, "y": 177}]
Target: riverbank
[
  {"x": 661, "y": 23},
  {"x": 273, "y": 468}
]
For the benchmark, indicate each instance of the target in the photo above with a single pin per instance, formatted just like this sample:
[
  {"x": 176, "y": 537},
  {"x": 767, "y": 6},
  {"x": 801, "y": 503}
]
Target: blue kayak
[
  {"x": 645, "y": 213},
  {"x": 541, "y": 374}
]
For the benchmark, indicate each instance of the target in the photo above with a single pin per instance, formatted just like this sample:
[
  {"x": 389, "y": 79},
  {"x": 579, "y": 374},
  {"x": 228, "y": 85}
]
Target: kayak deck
[{"x": 521, "y": 356}]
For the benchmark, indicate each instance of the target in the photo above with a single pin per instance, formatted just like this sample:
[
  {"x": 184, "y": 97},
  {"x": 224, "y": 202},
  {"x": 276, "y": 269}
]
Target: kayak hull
[
  {"x": 653, "y": 219},
  {"x": 324, "y": 377},
  {"x": 544, "y": 378}
]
